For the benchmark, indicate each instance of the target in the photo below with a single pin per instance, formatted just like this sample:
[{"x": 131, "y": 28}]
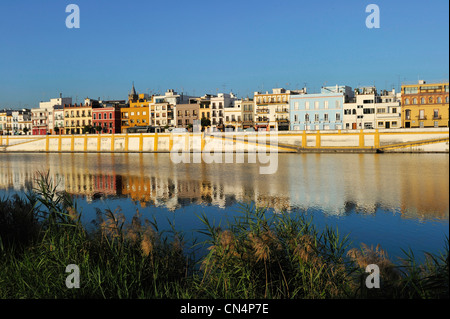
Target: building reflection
[{"x": 335, "y": 184}]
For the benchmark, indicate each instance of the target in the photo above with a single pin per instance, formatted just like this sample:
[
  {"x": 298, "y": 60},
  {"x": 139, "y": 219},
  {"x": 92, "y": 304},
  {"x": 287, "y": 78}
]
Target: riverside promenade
[{"x": 426, "y": 140}]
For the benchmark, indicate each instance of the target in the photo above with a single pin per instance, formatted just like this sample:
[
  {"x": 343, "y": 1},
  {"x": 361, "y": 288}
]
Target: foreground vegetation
[{"x": 257, "y": 255}]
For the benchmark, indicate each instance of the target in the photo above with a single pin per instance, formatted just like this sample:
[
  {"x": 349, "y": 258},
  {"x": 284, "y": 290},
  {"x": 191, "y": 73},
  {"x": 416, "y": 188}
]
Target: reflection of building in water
[
  {"x": 336, "y": 184},
  {"x": 92, "y": 185}
]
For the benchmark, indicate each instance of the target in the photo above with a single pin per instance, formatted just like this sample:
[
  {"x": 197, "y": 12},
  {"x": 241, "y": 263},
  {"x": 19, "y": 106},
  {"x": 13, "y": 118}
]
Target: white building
[
  {"x": 21, "y": 122},
  {"x": 218, "y": 105},
  {"x": 371, "y": 110},
  {"x": 43, "y": 117},
  {"x": 162, "y": 108},
  {"x": 233, "y": 115}
]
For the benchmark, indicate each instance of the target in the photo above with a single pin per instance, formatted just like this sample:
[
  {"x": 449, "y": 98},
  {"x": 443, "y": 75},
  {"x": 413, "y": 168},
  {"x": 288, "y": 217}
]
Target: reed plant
[{"x": 258, "y": 254}]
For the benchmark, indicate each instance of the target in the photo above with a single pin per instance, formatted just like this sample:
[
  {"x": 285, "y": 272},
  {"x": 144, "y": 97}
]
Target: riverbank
[
  {"x": 255, "y": 256},
  {"x": 429, "y": 140}
]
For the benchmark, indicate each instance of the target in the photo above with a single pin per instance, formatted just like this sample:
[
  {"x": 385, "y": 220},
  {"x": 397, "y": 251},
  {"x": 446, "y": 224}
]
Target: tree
[
  {"x": 205, "y": 122},
  {"x": 87, "y": 129}
]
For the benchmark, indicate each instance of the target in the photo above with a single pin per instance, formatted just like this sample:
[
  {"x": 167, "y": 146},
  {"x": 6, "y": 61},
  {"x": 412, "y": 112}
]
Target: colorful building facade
[
  {"x": 319, "y": 111},
  {"x": 78, "y": 117},
  {"x": 107, "y": 117},
  {"x": 137, "y": 112},
  {"x": 425, "y": 105}
]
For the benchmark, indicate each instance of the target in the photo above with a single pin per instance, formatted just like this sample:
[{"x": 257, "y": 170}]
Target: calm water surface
[{"x": 396, "y": 200}]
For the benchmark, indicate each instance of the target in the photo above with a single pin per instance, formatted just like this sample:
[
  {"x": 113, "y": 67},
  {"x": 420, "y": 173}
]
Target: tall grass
[{"x": 255, "y": 255}]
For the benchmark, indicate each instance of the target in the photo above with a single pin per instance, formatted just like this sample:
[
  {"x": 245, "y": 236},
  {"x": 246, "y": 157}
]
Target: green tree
[{"x": 205, "y": 122}]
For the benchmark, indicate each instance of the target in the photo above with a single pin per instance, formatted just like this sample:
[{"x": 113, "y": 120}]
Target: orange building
[
  {"x": 425, "y": 105},
  {"x": 138, "y": 111}
]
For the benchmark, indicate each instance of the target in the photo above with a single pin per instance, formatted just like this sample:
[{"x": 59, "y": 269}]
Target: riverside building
[
  {"x": 78, "y": 117},
  {"x": 43, "y": 117},
  {"x": 319, "y": 111},
  {"x": 425, "y": 105},
  {"x": 369, "y": 109},
  {"x": 137, "y": 112}
]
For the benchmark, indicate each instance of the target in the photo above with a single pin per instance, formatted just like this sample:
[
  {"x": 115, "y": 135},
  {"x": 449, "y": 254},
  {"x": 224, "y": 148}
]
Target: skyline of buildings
[{"x": 333, "y": 108}]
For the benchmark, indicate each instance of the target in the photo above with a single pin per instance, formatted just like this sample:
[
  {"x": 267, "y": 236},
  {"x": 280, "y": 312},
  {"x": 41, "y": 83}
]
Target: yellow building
[
  {"x": 138, "y": 111},
  {"x": 78, "y": 117},
  {"x": 425, "y": 105},
  {"x": 3, "y": 122}
]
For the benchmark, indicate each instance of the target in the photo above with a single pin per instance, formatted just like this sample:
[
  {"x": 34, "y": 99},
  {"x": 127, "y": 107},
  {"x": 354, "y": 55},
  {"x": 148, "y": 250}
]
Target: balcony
[
  {"x": 439, "y": 117},
  {"x": 423, "y": 117},
  {"x": 282, "y": 120},
  {"x": 39, "y": 117},
  {"x": 284, "y": 110},
  {"x": 271, "y": 102},
  {"x": 262, "y": 120},
  {"x": 266, "y": 111}
]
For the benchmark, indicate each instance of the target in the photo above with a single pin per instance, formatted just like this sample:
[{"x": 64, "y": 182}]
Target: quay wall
[{"x": 390, "y": 140}]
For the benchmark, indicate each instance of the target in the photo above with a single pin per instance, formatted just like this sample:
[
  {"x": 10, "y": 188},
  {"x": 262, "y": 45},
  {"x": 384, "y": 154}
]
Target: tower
[{"x": 132, "y": 97}]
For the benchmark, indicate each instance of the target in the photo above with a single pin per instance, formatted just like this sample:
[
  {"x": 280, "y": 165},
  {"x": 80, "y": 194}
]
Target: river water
[{"x": 399, "y": 201}]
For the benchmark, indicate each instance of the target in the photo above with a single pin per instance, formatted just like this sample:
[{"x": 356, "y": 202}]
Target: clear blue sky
[{"x": 207, "y": 46}]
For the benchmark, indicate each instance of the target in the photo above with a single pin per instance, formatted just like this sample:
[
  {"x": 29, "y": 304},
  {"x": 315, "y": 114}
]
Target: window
[
  {"x": 381, "y": 110},
  {"x": 110, "y": 116},
  {"x": 316, "y": 117},
  {"x": 347, "y": 111},
  {"x": 369, "y": 111},
  {"x": 316, "y": 105},
  {"x": 422, "y": 100},
  {"x": 295, "y": 118},
  {"x": 325, "y": 117},
  {"x": 407, "y": 114},
  {"x": 95, "y": 116},
  {"x": 394, "y": 123},
  {"x": 412, "y": 90},
  {"x": 338, "y": 116},
  {"x": 306, "y": 117},
  {"x": 422, "y": 115},
  {"x": 394, "y": 110},
  {"x": 307, "y": 105},
  {"x": 414, "y": 101},
  {"x": 337, "y": 104},
  {"x": 296, "y": 106},
  {"x": 380, "y": 123},
  {"x": 325, "y": 104},
  {"x": 439, "y": 100},
  {"x": 435, "y": 114}
]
